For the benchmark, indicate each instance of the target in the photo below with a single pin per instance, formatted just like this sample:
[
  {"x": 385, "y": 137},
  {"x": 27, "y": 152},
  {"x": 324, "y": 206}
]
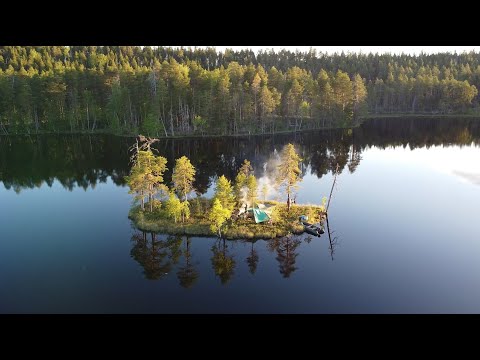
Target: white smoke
[
  {"x": 244, "y": 196},
  {"x": 267, "y": 180},
  {"x": 272, "y": 192}
]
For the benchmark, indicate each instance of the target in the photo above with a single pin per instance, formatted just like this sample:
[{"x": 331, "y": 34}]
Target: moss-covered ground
[{"x": 283, "y": 222}]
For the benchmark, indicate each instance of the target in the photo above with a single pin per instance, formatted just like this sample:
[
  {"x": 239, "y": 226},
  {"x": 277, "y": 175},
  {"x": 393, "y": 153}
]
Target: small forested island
[{"x": 238, "y": 210}]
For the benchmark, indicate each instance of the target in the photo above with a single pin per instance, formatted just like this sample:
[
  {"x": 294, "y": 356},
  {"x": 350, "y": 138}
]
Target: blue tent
[{"x": 261, "y": 213}]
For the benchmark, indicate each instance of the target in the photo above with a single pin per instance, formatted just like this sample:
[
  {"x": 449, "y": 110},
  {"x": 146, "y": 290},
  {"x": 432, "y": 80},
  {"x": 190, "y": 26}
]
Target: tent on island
[
  {"x": 261, "y": 212},
  {"x": 260, "y": 215}
]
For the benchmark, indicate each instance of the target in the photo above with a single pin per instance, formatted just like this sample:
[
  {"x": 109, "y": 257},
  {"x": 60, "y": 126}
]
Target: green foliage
[
  {"x": 304, "y": 109},
  {"x": 183, "y": 176},
  {"x": 199, "y": 124},
  {"x": 359, "y": 96},
  {"x": 185, "y": 210},
  {"x": 217, "y": 216},
  {"x": 275, "y": 215},
  {"x": 196, "y": 205},
  {"x": 251, "y": 184},
  {"x": 288, "y": 172},
  {"x": 224, "y": 193},
  {"x": 246, "y": 168},
  {"x": 135, "y": 182},
  {"x": 240, "y": 183},
  {"x": 240, "y": 187},
  {"x": 173, "y": 207},
  {"x": 151, "y": 126},
  {"x": 166, "y": 91},
  {"x": 146, "y": 176}
]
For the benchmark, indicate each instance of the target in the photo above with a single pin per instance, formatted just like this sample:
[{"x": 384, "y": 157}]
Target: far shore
[{"x": 247, "y": 135}]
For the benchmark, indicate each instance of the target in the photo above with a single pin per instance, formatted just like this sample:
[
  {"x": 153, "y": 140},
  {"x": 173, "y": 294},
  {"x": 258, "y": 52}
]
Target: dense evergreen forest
[{"x": 168, "y": 92}]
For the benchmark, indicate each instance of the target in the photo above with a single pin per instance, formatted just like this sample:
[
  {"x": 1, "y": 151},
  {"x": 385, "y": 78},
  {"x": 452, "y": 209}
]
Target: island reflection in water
[{"x": 163, "y": 255}]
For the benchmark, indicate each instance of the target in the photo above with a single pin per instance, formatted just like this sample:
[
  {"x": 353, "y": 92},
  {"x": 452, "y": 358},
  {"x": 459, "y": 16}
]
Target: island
[{"x": 235, "y": 211}]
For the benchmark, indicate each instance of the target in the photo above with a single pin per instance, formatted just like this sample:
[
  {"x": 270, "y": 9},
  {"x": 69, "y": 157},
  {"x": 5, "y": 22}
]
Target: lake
[{"x": 403, "y": 221}]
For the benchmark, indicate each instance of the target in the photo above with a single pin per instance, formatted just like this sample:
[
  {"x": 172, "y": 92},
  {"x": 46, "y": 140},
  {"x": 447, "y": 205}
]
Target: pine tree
[
  {"x": 342, "y": 88},
  {"x": 241, "y": 181},
  {"x": 173, "y": 207},
  {"x": 359, "y": 95},
  {"x": 288, "y": 171},
  {"x": 246, "y": 168},
  {"x": 224, "y": 193},
  {"x": 146, "y": 176},
  {"x": 217, "y": 216},
  {"x": 185, "y": 210},
  {"x": 183, "y": 176},
  {"x": 155, "y": 167},
  {"x": 239, "y": 188},
  {"x": 136, "y": 182},
  {"x": 251, "y": 184}
]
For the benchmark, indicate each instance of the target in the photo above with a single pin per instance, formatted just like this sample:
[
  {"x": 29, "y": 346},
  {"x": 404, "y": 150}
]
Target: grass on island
[{"x": 283, "y": 222}]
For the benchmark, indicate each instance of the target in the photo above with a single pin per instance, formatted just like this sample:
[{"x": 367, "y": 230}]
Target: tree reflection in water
[
  {"x": 187, "y": 275},
  {"x": 222, "y": 262},
  {"x": 332, "y": 240},
  {"x": 160, "y": 255},
  {"x": 155, "y": 256},
  {"x": 286, "y": 256},
  {"x": 252, "y": 260},
  {"x": 86, "y": 160}
]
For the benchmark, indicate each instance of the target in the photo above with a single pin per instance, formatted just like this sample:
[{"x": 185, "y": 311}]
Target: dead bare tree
[
  {"x": 332, "y": 242},
  {"x": 145, "y": 144},
  {"x": 333, "y": 185}
]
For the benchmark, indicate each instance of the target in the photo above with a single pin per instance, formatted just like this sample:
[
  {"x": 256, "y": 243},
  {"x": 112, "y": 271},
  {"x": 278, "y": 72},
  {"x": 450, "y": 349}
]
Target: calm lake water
[{"x": 404, "y": 223}]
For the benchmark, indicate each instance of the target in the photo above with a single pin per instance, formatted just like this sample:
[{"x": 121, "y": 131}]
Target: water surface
[{"x": 403, "y": 221}]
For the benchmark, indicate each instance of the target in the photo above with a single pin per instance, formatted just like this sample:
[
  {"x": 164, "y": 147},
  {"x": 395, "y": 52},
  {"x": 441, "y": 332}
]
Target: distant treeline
[{"x": 164, "y": 91}]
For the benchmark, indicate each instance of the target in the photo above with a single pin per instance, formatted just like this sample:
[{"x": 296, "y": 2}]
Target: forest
[{"x": 168, "y": 92}]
